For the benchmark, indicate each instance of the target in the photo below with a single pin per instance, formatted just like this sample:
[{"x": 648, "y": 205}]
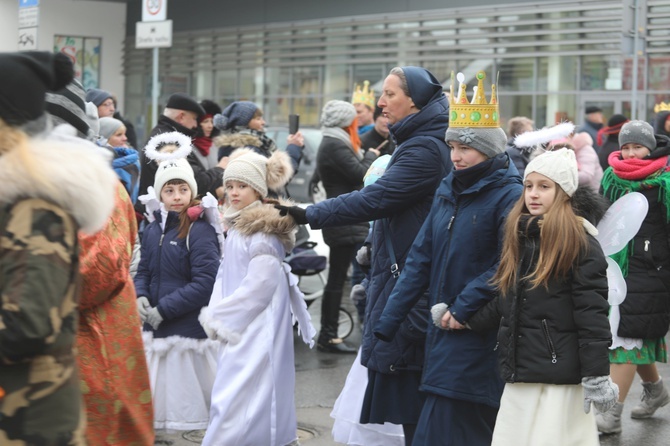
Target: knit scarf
[
  {"x": 633, "y": 175},
  {"x": 203, "y": 144},
  {"x": 267, "y": 144}
]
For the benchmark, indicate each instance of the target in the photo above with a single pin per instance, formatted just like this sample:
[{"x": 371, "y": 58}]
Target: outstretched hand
[{"x": 299, "y": 214}]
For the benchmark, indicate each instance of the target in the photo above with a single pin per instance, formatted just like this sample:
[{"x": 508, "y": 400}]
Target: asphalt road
[{"x": 320, "y": 378}]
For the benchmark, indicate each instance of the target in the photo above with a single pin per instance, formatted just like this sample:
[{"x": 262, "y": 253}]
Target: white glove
[
  {"x": 154, "y": 318},
  {"x": 358, "y": 293},
  {"x": 363, "y": 256},
  {"x": 143, "y": 307},
  {"x": 436, "y": 312},
  {"x": 601, "y": 391}
]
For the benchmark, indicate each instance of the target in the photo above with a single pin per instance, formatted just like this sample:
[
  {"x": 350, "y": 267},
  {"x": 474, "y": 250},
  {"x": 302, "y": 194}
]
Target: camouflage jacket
[{"x": 40, "y": 399}]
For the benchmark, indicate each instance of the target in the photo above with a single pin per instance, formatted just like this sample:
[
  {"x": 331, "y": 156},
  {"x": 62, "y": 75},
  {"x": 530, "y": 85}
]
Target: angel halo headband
[{"x": 179, "y": 140}]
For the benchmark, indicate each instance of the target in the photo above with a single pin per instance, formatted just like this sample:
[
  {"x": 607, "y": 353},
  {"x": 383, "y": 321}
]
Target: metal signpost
[{"x": 154, "y": 31}]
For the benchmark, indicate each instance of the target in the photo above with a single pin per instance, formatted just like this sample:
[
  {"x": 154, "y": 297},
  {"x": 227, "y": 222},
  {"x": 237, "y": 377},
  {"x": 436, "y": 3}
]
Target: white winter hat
[
  {"x": 257, "y": 171},
  {"x": 559, "y": 166},
  {"x": 337, "y": 114},
  {"x": 170, "y": 151}
]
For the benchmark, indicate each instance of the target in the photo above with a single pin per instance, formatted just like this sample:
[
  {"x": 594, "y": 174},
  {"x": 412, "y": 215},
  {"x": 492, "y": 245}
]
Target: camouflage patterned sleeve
[{"x": 39, "y": 280}]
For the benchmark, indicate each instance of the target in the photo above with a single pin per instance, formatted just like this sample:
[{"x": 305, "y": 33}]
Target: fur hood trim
[
  {"x": 266, "y": 219},
  {"x": 589, "y": 205},
  {"x": 237, "y": 140},
  {"x": 80, "y": 181}
]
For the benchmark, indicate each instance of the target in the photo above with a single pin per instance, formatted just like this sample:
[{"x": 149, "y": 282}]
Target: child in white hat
[
  {"x": 253, "y": 308},
  {"x": 552, "y": 310},
  {"x": 179, "y": 259}
]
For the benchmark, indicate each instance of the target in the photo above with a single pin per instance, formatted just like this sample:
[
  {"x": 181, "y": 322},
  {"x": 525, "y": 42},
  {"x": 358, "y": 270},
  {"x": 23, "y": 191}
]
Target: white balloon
[
  {"x": 621, "y": 222},
  {"x": 616, "y": 283}
]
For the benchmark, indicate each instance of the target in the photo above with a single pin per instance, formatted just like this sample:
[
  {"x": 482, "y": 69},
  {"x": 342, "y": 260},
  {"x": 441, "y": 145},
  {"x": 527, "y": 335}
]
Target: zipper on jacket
[
  {"x": 502, "y": 319},
  {"x": 646, "y": 245},
  {"x": 550, "y": 344}
]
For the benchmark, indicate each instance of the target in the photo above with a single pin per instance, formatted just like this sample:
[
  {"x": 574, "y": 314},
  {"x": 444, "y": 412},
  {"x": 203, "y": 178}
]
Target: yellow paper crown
[
  {"x": 476, "y": 113},
  {"x": 663, "y": 106},
  {"x": 364, "y": 96}
]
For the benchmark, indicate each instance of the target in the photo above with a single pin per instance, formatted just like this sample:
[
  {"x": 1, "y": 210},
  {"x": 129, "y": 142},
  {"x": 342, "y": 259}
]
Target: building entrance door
[{"x": 609, "y": 103}]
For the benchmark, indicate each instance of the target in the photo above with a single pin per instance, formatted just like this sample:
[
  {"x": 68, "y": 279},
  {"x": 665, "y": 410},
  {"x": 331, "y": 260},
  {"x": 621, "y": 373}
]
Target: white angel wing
[
  {"x": 213, "y": 217},
  {"x": 621, "y": 222},
  {"x": 619, "y": 225},
  {"x": 150, "y": 202}
]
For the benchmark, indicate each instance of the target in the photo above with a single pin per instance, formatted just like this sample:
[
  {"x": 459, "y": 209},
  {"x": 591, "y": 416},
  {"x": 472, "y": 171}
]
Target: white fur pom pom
[{"x": 176, "y": 139}]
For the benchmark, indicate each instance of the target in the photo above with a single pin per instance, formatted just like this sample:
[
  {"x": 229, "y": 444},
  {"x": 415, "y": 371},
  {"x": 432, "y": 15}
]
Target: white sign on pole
[
  {"x": 154, "y": 10},
  {"x": 28, "y": 17},
  {"x": 153, "y": 34},
  {"x": 28, "y": 39}
]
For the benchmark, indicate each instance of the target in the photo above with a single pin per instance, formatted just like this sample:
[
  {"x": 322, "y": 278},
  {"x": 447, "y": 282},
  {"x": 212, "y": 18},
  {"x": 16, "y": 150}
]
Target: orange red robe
[{"x": 112, "y": 366}]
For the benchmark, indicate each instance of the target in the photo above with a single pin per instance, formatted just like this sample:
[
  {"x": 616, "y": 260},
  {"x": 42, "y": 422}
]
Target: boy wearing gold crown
[
  {"x": 364, "y": 103},
  {"x": 454, "y": 256}
]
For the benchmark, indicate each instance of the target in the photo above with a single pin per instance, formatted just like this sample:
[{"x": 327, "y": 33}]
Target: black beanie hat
[
  {"x": 210, "y": 107},
  {"x": 25, "y": 78},
  {"x": 182, "y": 101},
  {"x": 616, "y": 120}
]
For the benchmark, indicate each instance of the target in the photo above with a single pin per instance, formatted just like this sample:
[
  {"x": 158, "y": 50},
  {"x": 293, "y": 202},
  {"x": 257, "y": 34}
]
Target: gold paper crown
[
  {"x": 663, "y": 106},
  {"x": 476, "y": 113},
  {"x": 364, "y": 96}
]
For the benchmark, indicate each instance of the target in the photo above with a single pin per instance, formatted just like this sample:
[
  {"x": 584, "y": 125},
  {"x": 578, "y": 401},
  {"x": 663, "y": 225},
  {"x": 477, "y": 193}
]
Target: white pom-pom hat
[
  {"x": 257, "y": 171},
  {"x": 170, "y": 151}
]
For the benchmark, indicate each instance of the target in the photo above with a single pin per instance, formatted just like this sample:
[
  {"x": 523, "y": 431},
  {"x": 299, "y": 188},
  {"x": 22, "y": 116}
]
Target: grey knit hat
[
  {"x": 257, "y": 171},
  {"x": 559, "y": 166},
  {"x": 337, "y": 114},
  {"x": 489, "y": 141},
  {"x": 108, "y": 126},
  {"x": 97, "y": 96},
  {"x": 638, "y": 132},
  {"x": 237, "y": 114}
]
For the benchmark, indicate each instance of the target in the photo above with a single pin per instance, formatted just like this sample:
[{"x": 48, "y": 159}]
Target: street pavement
[{"x": 320, "y": 378}]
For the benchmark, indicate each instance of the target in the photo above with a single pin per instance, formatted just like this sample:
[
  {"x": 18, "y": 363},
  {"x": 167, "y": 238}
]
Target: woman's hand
[
  {"x": 450, "y": 323},
  {"x": 296, "y": 139}
]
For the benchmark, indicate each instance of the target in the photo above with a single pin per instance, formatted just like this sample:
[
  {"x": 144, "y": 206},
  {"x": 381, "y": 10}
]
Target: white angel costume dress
[
  {"x": 181, "y": 370},
  {"x": 253, "y": 308}
]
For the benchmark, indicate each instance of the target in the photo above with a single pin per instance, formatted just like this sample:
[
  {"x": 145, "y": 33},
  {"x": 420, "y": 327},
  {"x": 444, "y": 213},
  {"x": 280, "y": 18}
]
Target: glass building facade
[{"x": 553, "y": 59}]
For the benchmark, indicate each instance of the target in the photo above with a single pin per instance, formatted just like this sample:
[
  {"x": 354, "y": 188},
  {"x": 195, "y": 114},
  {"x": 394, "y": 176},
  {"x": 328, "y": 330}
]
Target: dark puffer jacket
[
  {"x": 176, "y": 279},
  {"x": 554, "y": 335},
  {"x": 645, "y": 313},
  {"x": 341, "y": 172},
  {"x": 403, "y": 195}
]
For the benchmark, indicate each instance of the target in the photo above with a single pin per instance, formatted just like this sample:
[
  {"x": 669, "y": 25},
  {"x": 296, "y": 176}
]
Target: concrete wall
[{"x": 106, "y": 20}]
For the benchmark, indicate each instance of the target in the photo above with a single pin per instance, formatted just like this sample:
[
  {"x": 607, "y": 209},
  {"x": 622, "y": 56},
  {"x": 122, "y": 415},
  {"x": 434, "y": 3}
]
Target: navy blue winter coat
[
  {"x": 176, "y": 280},
  {"x": 454, "y": 256},
  {"x": 403, "y": 195}
]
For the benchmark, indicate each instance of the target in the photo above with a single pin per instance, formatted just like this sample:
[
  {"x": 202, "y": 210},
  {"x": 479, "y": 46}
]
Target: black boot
[{"x": 328, "y": 341}]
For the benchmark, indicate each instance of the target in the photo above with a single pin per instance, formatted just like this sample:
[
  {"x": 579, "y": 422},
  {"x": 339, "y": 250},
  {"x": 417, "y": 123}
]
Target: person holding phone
[{"x": 341, "y": 166}]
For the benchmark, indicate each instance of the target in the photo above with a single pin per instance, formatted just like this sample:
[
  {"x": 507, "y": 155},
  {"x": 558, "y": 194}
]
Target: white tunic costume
[{"x": 251, "y": 311}]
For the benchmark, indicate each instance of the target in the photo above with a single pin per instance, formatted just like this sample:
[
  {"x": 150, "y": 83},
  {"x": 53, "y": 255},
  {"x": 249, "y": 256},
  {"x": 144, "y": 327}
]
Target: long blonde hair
[{"x": 562, "y": 242}]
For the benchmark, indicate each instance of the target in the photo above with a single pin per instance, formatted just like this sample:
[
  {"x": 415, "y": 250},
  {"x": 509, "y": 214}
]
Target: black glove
[{"x": 298, "y": 213}]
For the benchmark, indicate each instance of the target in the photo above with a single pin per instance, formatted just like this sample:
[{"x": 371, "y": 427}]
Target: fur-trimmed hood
[
  {"x": 589, "y": 204},
  {"x": 266, "y": 219},
  {"x": 81, "y": 181},
  {"x": 581, "y": 140},
  {"x": 237, "y": 140}
]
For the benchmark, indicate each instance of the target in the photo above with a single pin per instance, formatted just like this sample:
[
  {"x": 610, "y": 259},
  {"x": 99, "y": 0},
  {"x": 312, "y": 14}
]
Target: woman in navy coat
[
  {"x": 417, "y": 111},
  {"x": 454, "y": 256}
]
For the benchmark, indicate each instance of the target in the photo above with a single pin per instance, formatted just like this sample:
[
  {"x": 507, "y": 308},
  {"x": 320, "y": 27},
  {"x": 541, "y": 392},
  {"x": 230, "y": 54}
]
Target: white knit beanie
[
  {"x": 337, "y": 114},
  {"x": 259, "y": 172},
  {"x": 559, "y": 166},
  {"x": 177, "y": 169}
]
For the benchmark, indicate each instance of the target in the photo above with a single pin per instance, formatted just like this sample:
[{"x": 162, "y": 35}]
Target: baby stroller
[{"x": 309, "y": 266}]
